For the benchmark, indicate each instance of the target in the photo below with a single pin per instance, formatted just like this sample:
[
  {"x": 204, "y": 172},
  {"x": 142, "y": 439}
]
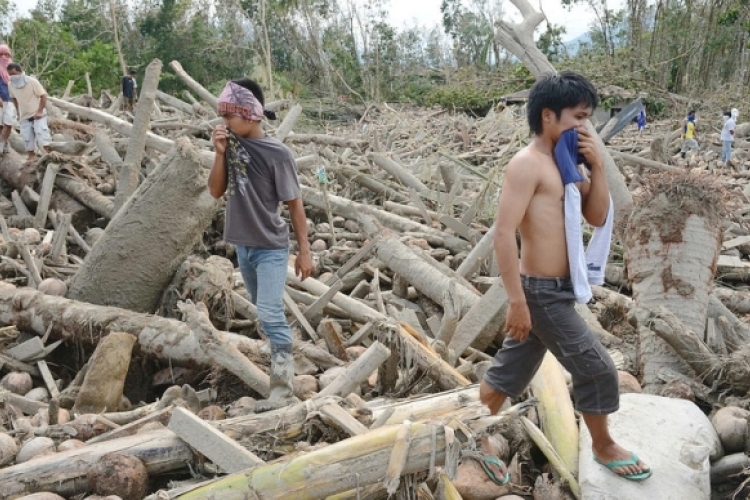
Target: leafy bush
[{"x": 466, "y": 98}]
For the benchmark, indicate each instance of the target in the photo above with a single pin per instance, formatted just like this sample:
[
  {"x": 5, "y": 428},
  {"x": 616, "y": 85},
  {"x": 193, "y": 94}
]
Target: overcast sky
[{"x": 427, "y": 13}]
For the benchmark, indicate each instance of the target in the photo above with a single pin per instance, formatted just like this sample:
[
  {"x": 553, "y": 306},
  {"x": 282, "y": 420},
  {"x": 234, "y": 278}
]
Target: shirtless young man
[{"x": 541, "y": 312}]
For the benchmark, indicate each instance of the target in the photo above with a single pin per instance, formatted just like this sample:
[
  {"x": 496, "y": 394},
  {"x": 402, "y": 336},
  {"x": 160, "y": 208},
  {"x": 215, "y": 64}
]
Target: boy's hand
[
  {"x": 303, "y": 266},
  {"x": 219, "y": 138},
  {"x": 518, "y": 321},
  {"x": 587, "y": 147}
]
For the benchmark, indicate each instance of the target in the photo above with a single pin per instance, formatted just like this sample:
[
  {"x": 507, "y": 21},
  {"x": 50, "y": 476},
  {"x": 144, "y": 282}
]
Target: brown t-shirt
[
  {"x": 261, "y": 174},
  {"x": 28, "y": 97}
]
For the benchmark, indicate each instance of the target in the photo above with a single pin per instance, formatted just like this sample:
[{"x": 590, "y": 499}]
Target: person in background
[
  {"x": 727, "y": 135},
  {"x": 30, "y": 100},
  {"x": 7, "y": 109},
  {"x": 128, "y": 87},
  {"x": 641, "y": 121},
  {"x": 689, "y": 137}
]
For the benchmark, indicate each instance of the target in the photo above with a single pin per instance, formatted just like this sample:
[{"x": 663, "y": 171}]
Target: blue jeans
[
  {"x": 726, "y": 151},
  {"x": 264, "y": 273}
]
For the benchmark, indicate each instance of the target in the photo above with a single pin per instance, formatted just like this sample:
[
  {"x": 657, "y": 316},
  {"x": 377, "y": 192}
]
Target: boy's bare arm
[
  {"x": 303, "y": 266},
  {"x": 518, "y": 188},
  {"x": 595, "y": 191},
  {"x": 217, "y": 178}
]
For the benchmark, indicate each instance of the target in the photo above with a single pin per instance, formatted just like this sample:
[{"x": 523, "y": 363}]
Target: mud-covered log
[
  {"x": 16, "y": 171},
  {"x": 149, "y": 237},
  {"x": 162, "y": 338}
]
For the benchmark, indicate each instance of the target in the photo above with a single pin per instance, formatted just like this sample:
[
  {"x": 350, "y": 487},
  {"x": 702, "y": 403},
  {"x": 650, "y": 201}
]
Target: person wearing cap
[
  {"x": 7, "y": 109},
  {"x": 727, "y": 135},
  {"x": 258, "y": 173}
]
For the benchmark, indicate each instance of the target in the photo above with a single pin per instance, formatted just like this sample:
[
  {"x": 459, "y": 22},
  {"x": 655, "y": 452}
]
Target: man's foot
[{"x": 622, "y": 462}]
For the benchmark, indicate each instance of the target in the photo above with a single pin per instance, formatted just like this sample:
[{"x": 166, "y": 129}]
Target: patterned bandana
[{"x": 237, "y": 100}]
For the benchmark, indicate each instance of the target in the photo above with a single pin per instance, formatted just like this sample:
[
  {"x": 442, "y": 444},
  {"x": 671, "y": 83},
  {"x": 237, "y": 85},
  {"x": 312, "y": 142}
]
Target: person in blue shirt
[
  {"x": 7, "y": 109},
  {"x": 128, "y": 90}
]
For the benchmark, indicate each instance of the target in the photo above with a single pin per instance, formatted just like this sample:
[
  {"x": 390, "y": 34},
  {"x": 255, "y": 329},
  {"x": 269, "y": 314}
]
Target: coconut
[
  {"x": 731, "y": 424},
  {"x": 243, "y": 406},
  {"x": 305, "y": 386},
  {"x": 35, "y": 447},
  {"x": 628, "y": 383},
  {"x": 70, "y": 444},
  {"x": 42, "y": 417},
  {"x": 53, "y": 286},
  {"x": 106, "y": 188},
  {"x": 319, "y": 246},
  {"x": 17, "y": 382},
  {"x": 31, "y": 236},
  {"x": 38, "y": 394},
  {"x": 330, "y": 375},
  {"x": 123, "y": 475},
  {"x": 355, "y": 352},
  {"x": 8, "y": 449},
  {"x": 45, "y": 495},
  {"x": 88, "y": 426},
  {"x": 43, "y": 249},
  {"x": 212, "y": 412}
]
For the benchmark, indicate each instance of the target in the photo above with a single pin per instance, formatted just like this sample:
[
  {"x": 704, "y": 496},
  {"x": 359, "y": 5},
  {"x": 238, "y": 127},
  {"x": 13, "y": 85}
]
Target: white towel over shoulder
[{"x": 586, "y": 267}]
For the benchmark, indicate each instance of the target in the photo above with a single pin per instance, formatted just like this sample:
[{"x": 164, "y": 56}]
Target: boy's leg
[
  {"x": 42, "y": 134},
  {"x": 247, "y": 269},
  {"x": 27, "y": 134},
  {"x": 271, "y": 267}
]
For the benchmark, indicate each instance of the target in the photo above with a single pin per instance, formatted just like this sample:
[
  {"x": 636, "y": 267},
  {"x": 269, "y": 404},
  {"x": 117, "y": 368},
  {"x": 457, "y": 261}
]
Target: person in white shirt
[{"x": 727, "y": 135}]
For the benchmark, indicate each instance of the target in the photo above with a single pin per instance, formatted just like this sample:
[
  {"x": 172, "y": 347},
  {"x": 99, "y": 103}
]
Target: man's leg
[
  {"x": 27, "y": 134},
  {"x": 42, "y": 133},
  {"x": 271, "y": 267},
  {"x": 606, "y": 449},
  {"x": 247, "y": 269}
]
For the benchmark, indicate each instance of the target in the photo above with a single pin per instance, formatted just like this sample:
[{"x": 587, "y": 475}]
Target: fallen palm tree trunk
[
  {"x": 162, "y": 338},
  {"x": 357, "y": 461},
  {"x": 169, "y": 211},
  {"x": 86, "y": 195},
  {"x": 673, "y": 240},
  {"x": 65, "y": 473},
  {"x": 16, "y": 171}
]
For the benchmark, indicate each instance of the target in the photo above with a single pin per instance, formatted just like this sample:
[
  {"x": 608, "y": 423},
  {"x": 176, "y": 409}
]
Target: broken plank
[
  {"x": 26, "y": 351},
  {"x": 18, "y": 366},
  {"x": 342, "y": 419},
  {"x": 422, "y": 208},
  {"x": 457, "y": 227},
  {"x": 26, "y": 405},
  {"x": 294, "y": 309},
  {"x": 735, "y": 242},
  {"x": 360, "y": 335},
  {"x": 49, "y": 380},
  {"x": 353, "y": 262},
  {"x": 132, "y": 428},
  {"x": 214, "y": 444},
  {"x": 317, "y": 307}
]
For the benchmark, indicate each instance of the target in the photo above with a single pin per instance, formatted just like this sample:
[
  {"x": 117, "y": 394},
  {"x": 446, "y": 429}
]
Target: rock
[
  {"x": 330, "y": 375},
  {"x": 473, "y": 483},
  {"x": 212, "y": 412},
  {"x": 35, "y": 447},
  {"x": 679, "y": 390},
  {"x": 628, "y": 383},
  {"x": 319, "y": 246},
  {"x": 305, "y": 386},
  {"x": 655, "y": 428},
  {"x": 122, "y": 475}
]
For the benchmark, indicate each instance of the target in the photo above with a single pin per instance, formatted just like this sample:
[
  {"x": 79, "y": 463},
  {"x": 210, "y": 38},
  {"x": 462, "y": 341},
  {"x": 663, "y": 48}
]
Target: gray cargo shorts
[{"x": 555, "y": 325}]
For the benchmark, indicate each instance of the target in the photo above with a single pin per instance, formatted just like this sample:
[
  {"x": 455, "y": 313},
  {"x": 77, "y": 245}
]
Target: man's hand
[
  {"x": 38, "y": 115},
  {"x": 303, "y": 266},
  {"x": 518, "y": 321},
  {"x": 587, "y": 147},
  {"x": 219, "y": 138}
]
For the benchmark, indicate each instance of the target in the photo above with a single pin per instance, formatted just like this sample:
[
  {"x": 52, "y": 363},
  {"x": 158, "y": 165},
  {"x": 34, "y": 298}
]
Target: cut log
[
  {"x": 105, "y": 378},
  {"x": 131, "y": 166},
  {"x": 289, "y": 120},
  {"x": 193, "y": 85},
  {"x": 86, "y": 195},
  {"x": 398, "y": 172},
  {"x": 482, "y": 324},
  {"x": 163, "y": 338},
  {"x": 169, "y": 211},
  {"x": 65, "y": 473},
  {"x": 175, "y": 102}
]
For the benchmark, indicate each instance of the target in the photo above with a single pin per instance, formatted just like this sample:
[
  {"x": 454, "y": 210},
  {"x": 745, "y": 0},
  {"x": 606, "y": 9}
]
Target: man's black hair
[
  {"x": 728, "y": 113},
  {"x": 132, "y": 72},
  {"x": 254, "y": 87},
  {"x": 14, "y": 66},
  {"x": 691, "y": 112},
  {"x": 565, "y": 89}
]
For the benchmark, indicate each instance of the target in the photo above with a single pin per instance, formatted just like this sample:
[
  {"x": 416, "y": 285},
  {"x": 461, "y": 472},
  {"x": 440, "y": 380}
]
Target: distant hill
[{"x": 574, "y": 45}]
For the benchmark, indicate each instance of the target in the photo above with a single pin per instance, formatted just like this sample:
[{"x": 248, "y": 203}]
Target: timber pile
[{"x": 102, "y": 397}]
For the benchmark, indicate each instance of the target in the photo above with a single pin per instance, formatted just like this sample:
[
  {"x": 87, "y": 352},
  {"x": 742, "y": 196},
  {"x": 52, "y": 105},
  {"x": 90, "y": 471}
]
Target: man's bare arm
[{"x": 595, "y": 191}]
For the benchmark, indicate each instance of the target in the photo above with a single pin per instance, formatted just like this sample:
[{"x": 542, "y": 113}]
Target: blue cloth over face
[{"x": 567, "y": 158}]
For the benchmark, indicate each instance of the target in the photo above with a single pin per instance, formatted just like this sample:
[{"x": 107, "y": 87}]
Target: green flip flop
[
  {"x": 633, "y": 460},
  {"x": 489, "y": 459}
]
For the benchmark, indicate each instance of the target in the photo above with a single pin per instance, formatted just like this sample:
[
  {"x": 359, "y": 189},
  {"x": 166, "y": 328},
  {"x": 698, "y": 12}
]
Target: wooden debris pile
[{"x": 102, "y": 397}]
